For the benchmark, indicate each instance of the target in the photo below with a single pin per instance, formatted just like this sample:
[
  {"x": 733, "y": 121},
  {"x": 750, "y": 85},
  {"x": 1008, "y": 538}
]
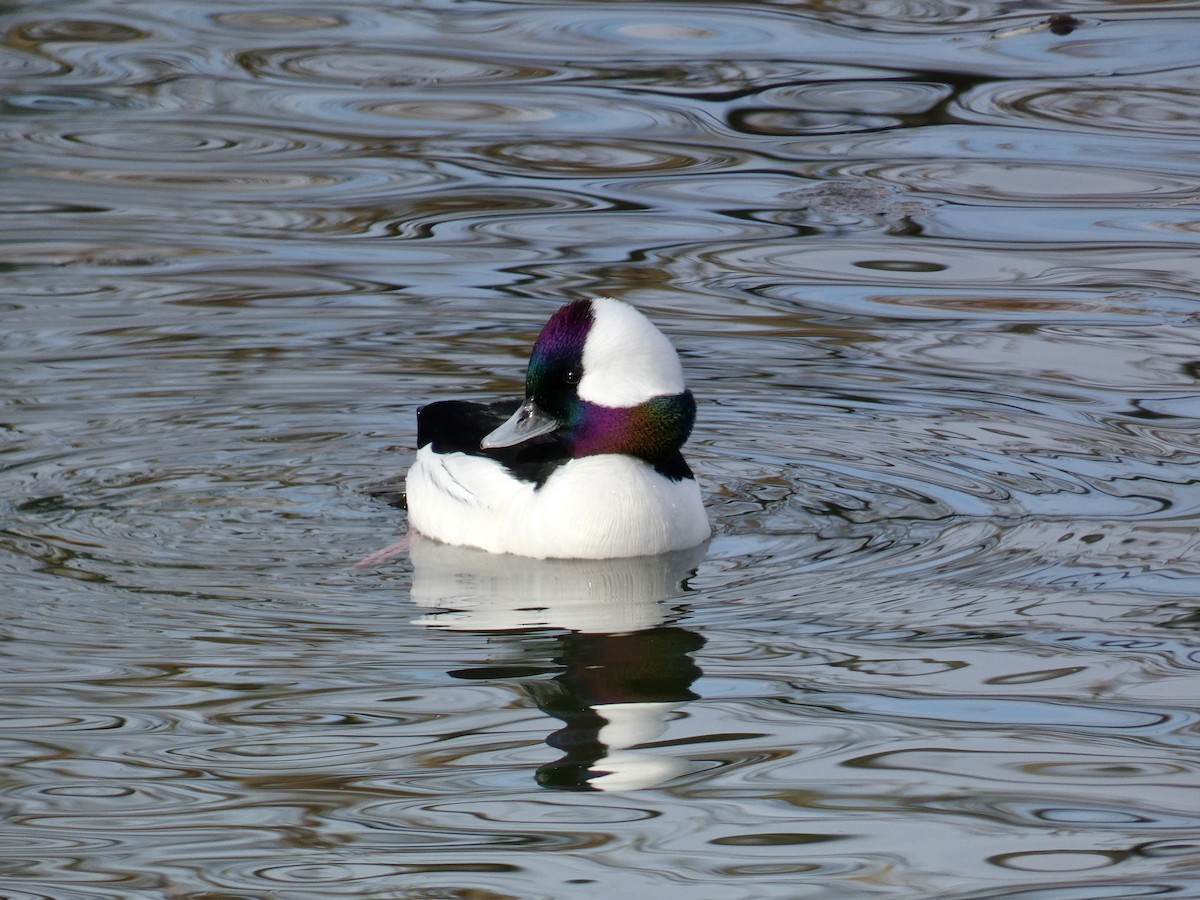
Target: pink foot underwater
[{"x": 388, "y": 552}]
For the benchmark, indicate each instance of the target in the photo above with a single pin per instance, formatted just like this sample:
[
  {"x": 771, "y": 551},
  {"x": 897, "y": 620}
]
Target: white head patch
[{"x": 626, "y": 360}]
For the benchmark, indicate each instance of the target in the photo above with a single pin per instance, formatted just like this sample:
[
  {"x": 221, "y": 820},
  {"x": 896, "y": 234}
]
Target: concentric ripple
[
  {"x": 1135, "y": 107},
  {"x": 214, "y": 142},
  {"x": 378, "y": 67},
  {"x": 573, "y": 158}
]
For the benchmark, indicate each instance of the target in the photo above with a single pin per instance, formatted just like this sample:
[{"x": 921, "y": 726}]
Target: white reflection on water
[
  {"x": 625, "y": 671},
  {"x": 478, "y": 591}
]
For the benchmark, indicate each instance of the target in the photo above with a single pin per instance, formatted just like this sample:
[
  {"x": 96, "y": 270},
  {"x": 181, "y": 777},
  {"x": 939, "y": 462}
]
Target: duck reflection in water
[{"x": 622, "y": 668}]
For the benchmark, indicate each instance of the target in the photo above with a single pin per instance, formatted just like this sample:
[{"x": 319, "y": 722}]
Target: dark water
[{"x": 934, "y": 271}]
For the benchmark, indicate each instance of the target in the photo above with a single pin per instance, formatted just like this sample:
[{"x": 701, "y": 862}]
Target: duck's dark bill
[{"x": 527, "y": 423}]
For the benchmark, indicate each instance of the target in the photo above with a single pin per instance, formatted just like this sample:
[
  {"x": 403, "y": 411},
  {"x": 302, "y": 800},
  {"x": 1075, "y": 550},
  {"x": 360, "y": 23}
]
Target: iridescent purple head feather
[{"x": 559, "y": 348}]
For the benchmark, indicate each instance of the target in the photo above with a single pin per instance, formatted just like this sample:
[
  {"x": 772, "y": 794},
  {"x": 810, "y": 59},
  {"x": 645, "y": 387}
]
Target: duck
[{"x": 587, "y": 465}]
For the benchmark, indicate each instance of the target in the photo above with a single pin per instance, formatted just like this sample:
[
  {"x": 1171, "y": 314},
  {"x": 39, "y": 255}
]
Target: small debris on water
[{"x": 1060, "y": 24}]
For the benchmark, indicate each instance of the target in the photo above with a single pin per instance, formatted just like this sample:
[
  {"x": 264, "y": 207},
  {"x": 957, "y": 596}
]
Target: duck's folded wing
[{"x": 458, "y": 426}]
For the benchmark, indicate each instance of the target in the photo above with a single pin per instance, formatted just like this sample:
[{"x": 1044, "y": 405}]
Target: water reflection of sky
[{"x": 932, "y": 269}]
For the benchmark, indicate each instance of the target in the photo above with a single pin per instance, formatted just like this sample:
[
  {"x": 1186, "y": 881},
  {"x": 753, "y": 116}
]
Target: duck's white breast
[{"x": 597, "y": 507}]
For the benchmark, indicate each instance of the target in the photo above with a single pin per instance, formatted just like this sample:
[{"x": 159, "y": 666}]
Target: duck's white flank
[{"x": 596, "y": 507}]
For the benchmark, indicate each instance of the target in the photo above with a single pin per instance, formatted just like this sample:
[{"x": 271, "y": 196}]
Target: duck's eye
[{"x": 572, "y": 376}]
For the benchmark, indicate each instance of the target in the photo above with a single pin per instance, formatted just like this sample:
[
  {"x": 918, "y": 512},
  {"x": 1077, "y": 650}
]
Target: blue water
[{"x": 933, "y": 270}]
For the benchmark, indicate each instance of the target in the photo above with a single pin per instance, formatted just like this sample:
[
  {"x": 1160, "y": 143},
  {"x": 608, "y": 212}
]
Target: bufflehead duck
[{"x": 587, "y": 466}]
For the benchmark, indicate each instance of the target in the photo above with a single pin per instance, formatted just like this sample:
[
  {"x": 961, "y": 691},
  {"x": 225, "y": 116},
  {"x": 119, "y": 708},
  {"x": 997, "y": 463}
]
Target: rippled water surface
[{"x": 933, "y": 269}]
